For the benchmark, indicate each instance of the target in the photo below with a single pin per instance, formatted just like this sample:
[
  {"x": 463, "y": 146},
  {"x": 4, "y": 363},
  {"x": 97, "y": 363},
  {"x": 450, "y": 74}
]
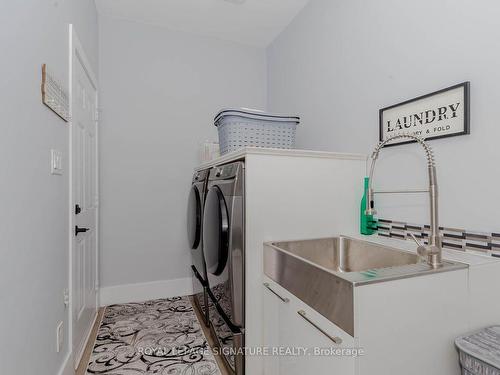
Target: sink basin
[
  {"x": 344, "y": 254},
  {"x": 324, "y": 273}
]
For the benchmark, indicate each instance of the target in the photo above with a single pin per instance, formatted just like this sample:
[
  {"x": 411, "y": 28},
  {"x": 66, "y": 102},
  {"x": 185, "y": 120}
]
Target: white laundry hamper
[
  {"x": 242, "y": 127},
  {"x": 479, "y": 352}
]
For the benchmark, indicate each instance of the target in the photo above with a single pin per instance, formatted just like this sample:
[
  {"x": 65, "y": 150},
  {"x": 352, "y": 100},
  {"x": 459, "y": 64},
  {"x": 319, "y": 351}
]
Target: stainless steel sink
[
  {"x": 344, "y": 254},
  {"x": 325, "y": 272}
]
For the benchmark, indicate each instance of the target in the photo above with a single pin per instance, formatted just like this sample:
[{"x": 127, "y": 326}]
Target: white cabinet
[
  {"x": 301, "y": 340},
  {"x": 273, "y": 308},
  {"x": 393, "y": 321}
]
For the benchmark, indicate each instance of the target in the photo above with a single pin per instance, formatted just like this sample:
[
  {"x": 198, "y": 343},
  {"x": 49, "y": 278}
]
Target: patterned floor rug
[{"x": 161, "y": 337}]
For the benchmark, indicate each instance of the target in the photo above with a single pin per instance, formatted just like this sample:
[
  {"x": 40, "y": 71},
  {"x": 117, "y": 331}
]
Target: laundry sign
[{"x": 444, "y": 113}]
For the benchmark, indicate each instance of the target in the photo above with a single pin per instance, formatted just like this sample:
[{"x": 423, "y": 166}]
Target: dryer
[
  {"x": 224, "y": 250},
  {"x": 195, "y": 205}
]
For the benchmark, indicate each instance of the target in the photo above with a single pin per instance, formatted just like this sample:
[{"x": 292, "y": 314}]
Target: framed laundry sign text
[{"x": 444, "y": 113}]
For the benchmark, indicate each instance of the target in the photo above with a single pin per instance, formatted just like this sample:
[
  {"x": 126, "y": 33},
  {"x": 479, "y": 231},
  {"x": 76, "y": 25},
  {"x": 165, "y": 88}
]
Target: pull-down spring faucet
[{"x": 433, "y": 250}]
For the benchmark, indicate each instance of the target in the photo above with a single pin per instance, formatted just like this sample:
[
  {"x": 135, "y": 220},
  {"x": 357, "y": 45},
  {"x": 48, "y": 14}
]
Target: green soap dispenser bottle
[{"x": 367, "y": 222}]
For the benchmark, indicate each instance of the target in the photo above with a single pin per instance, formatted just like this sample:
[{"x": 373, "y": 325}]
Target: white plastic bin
[
  {"x": 244, "y": 127},
  {"x": 480, "y": 352}
]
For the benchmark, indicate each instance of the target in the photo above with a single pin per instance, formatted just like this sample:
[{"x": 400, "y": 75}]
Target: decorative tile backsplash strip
[{"x": 456, "y": 239}]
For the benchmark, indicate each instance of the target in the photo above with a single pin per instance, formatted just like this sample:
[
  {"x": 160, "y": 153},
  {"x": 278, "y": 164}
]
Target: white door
[{"x": 85, "y": 199}]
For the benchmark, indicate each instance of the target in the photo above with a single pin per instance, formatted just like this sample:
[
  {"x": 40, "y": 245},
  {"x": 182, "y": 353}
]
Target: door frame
[{"x": 76, "y": 50}]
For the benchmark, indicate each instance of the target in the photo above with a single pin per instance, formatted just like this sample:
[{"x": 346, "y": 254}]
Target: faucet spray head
[{"x": 370, "y": 210}]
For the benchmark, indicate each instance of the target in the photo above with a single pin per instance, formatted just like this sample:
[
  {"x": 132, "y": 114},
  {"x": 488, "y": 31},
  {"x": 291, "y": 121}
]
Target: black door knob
[{"x": 80, "y": 230}]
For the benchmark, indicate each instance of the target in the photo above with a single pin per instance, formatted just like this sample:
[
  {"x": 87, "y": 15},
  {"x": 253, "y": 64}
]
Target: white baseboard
[
  {"x": 145, "y": 291},
  {"x": 67, "y": 366},
  {"x": 79, "y": 354}
]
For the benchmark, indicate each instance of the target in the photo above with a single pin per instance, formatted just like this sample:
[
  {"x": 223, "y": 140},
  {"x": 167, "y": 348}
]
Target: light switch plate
[{"x": 56, "y": 162}]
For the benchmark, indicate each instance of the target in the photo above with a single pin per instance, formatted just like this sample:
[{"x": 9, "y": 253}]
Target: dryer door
[
  {"x": 215, "y": 231},
  {"x": 194, "y": 217}
]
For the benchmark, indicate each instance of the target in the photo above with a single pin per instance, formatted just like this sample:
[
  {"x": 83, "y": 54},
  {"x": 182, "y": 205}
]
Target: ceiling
[{"x": 252, "y": 22}]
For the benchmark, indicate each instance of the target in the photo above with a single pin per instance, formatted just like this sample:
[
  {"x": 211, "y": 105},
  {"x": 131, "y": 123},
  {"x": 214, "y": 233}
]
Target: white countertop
[{"x": 240, "y": 154}]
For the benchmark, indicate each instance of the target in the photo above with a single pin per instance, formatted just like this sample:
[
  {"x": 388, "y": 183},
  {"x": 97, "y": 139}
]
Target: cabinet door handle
[
  {"x": 336, "y": 340},
  {"x": 284, "y": 299}
]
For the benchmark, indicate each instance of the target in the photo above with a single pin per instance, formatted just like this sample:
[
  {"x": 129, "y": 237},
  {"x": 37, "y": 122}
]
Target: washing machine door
[
  {"x": 194, "y": 217},
  {"x": 215, "y": 231}
]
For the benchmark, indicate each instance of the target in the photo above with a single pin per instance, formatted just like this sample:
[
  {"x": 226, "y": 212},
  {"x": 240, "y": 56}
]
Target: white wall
[
  {"x": 340, "y": 61},
  {"x": 35, "y": 205},
  {"x": 159, "y": 92}
]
